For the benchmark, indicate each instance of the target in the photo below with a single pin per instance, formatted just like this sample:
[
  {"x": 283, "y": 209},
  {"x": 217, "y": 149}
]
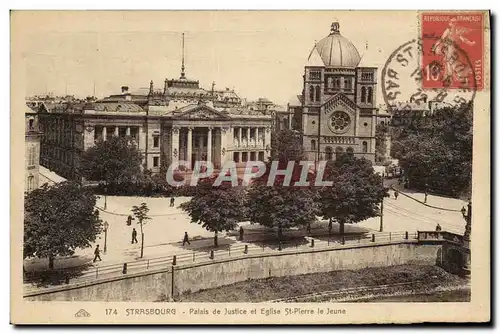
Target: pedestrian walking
[
  {"x": 396, "y": 194},
  {"x": 438, "y": 227},
  {"x": 129, "y": 220},
  {"x": 425, "y": 198},
  {"x": 97, "y": 253},
  {"x": 134, "y": 236},
  {"x": 186, "y": 239},
  {"x": 241, "y": 233},
  {"x": 172, "y": 201}
]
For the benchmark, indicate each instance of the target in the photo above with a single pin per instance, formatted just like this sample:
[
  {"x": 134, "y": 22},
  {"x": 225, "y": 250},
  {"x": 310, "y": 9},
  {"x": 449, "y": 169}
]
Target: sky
[{"x": 258, "y": 53}]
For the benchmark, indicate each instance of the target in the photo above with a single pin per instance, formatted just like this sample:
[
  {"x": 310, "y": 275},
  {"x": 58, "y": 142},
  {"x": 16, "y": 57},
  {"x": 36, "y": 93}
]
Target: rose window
[{"x": 339, "y": 121}]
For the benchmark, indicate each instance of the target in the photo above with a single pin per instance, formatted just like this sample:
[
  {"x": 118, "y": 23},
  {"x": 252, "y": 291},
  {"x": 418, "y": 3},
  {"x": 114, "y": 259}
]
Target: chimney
[{"x": 124, "y": 89}]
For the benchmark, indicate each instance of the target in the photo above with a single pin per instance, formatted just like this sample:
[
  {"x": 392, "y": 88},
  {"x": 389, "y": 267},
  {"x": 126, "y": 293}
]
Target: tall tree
[
  {"x": 281, "y": 206},
  {"x": 356, "y": 193},
  {"x": 141, "y": 214},
  {"x": 436, "y": 150},
  {"x": 114, "y": 161},
  {"x": 217, "y": 208},
  {"x": 287, "y": 146},
  {"x": 59, "y": 219}
]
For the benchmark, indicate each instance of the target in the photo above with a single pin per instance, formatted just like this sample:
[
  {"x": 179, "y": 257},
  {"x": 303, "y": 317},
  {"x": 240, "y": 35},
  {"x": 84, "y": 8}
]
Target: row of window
[
  {"x": 328, "y": 149},
  {"x": 248, "y": 156}
]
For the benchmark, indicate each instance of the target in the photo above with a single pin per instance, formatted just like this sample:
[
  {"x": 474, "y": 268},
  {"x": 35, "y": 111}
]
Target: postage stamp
[{"x": 452, "y": 50}]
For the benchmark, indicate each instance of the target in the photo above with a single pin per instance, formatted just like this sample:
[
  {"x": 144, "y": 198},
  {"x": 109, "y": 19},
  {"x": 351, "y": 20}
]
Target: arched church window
[
  {"x": 349, "y": 151},
  {"x": 365, "y": 147},
  {"x": 311, "y": 93},
  {"x": 337, "y": 83},
  {"x": 313, "y": 145},
  {"x": 328, "y": 153},
  {"x": 363, "y": 94},
  {"x": 347, "y": 84},
  {"x": 338, "y": 152},
  {"x": 369, "y": 96},
  {"x": 317, "y": 93}
]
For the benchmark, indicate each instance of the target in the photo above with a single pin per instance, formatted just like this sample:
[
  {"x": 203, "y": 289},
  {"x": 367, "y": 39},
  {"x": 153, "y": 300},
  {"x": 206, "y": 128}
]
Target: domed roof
[{"x": 336, "y": 51}]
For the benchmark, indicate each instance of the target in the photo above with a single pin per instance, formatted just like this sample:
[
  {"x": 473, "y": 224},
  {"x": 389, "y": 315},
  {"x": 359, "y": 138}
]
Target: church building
[{"x": 336, "y": 111}]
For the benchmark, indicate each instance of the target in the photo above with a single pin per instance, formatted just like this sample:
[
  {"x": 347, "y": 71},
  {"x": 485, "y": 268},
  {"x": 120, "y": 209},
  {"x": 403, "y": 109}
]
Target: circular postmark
[{"x": 421, "y": 74}]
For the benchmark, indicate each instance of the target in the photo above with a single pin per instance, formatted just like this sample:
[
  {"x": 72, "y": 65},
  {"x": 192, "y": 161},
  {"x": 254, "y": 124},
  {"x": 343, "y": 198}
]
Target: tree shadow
[
  {"x": 205, "y": 244},
  {"x": 57, "y": 276},
  {"x": 287, "y": 242}
]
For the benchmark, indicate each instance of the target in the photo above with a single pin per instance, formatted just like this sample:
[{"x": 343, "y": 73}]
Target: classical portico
[{"x": 202, "y": 133}]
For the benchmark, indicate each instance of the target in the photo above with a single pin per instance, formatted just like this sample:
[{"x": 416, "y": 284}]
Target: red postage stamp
[{"x": 452, "y": 50}]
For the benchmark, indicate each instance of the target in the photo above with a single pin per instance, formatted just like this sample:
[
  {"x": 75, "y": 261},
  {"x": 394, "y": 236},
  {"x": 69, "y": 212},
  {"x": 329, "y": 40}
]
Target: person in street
[
  {"x": 97, "y": 253},
  {"x": 129, "y": 220},
  {"x": 396, "y": 194},
  {"x": 438, "y": 227},
  {"x": 186, "y": 239},
  {"x": 241, "y": 233},
  {"x": 134, "y": 236},
  {"x": 425, "y": 198},
  {"x": 172, "y": 201}
]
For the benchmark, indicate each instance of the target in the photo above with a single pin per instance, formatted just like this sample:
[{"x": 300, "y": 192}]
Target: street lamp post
[
  {"x": 381, "y": 229},
  {"x": 106, "y": 225},
  {"x": 467, "y": 237},
  {"x": 105, "y": 199}
]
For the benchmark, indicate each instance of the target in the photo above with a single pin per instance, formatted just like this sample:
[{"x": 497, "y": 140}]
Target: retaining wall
[{"x": 194, "y": 277}]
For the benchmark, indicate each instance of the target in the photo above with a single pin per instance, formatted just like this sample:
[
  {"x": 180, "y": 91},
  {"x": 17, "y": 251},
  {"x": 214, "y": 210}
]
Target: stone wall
[{"x": 194, "y": 277}]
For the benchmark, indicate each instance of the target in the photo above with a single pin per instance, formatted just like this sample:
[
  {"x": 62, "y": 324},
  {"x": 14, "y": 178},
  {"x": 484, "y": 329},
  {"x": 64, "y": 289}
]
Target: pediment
[
  {"x": 339, "y": 99},
  {"x": 201, "y": 113}
]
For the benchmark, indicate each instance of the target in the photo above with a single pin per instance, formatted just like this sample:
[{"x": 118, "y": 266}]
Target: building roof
[
  {"x": 295, "y": 101},
  {"x": 337, "y": 51},
  {"x": 117, "y": 107},
  {"x": 314, "y": 58}
]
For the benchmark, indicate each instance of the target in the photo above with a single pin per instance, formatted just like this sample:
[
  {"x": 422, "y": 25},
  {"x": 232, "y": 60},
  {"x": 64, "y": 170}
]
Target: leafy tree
[
  {"x": 141, "y": 213},
  {"x": 355, "y": 194},
  {"x": 287, "y": 146},
  {"x": 59, "y": 219},
  {"x": 436, "y": 150},
  {"x": 216, "y": 208},
  {"x": 279, "y": 206},
  {"x": 114, "y": 161}
]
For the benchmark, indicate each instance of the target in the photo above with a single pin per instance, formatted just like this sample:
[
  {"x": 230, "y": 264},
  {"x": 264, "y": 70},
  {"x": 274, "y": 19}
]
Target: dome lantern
[{"x": 335, "y": 28}]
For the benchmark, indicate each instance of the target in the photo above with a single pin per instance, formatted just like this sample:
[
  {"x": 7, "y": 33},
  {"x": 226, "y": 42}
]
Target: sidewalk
[{"x": 433, "y": 201}]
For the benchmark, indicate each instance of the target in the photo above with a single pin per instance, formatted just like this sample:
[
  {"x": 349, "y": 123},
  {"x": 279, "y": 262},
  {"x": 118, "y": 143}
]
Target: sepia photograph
[{"x": 250, "y": 166}]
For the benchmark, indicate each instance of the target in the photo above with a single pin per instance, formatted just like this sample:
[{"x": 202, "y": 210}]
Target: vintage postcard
[{"x": 250, "y": 167}]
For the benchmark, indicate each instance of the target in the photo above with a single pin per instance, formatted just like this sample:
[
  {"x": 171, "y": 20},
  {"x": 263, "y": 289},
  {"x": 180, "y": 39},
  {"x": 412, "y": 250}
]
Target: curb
[{"x": 419, "y": 201}]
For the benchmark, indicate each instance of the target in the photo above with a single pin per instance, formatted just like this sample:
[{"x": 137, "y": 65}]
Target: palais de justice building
[
  {"x": 178, "y": 122},
  {"x": 336, "y": 111}
]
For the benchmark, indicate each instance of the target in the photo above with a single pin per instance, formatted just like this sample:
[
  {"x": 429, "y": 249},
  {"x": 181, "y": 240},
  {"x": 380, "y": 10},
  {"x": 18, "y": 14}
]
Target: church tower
[{"x": 338, "y": 100}]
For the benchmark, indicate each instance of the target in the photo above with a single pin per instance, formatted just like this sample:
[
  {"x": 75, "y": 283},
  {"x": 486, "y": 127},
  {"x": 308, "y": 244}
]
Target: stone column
[
  {"x": 267, "y": 140},
  {"x": 209, "y": 145},
  {"x": 248, "y": 136},
  {"x": 116, "y": 134},
  {"x": 189, "y": 146},
  {"x": 240, "y": 143},
  {"x": 224, "y": 132},
  {"x": 175, "y": 144},
  {"x": 104, "y": 133},
  {"x": 128, "y": 131},
  {"x": 257, "y": 142}
]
